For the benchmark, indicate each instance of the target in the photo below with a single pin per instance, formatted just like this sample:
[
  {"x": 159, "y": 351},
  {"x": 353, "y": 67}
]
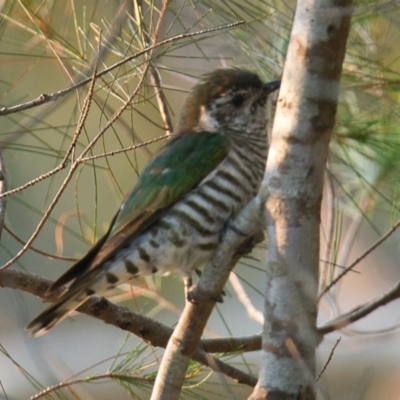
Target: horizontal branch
[
  {"x": 37, "y": 286},
  {"x": 157, "y": 334},
  {"x": 361, "y": 311},
  {"x": 151, "y": 331}
]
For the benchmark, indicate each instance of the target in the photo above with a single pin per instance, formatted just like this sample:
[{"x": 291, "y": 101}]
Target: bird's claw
[
  {"x": 190, "y": 296},
  {"x": 220, "y": 297},
  {"x": 236, "y": 230},
  {"x": 229, "y": 224},
  {"x": 189, "y": 290}
]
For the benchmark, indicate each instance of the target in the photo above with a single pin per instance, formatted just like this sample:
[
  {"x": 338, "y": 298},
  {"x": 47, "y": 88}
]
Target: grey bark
[{"x": 301, "y": 133}]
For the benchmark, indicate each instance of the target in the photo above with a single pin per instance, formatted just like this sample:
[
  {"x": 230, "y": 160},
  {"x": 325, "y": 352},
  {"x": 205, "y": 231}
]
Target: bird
[{"x": 173, "y": 218}]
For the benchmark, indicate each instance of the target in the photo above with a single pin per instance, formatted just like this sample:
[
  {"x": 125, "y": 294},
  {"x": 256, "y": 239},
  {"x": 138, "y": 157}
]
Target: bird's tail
[{"x": 68, "y": 302}]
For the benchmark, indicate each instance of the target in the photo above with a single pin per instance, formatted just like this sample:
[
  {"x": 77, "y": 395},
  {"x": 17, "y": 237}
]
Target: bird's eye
[{"x": 237, "y": 100}]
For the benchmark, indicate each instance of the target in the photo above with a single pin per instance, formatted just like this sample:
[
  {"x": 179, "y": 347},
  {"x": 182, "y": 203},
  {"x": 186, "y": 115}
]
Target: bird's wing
[{"x": 180, "y": 166}]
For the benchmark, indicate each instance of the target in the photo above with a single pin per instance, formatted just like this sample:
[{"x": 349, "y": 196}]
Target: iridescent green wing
[{"x": 179, "y": 167}]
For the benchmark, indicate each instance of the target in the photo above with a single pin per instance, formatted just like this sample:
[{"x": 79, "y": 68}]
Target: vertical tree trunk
[{"x": 304, "y": 119}]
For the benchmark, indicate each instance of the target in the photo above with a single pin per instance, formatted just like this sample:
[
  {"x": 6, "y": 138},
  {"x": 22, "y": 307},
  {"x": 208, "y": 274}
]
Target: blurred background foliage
[{"x": 48, "y": 45}]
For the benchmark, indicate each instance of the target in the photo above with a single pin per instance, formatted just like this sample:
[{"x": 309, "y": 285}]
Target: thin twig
[
  {"x": 359, "y": 312},
  {"x": 155, "y": 77},
  {"x": 45, "y": 98},
  {"x": 361, "y": 257},
  {"x": 351, "y": 231},
  {"x": 329, "y": 358},
  {"x": 137, "y": 291},
  {"x": 161, "y": 99},
  {"x": 330, "y": 195},
  {"x": 114, "y": 152},
  {"x": 34, "y": 181},
  {"x": 252, "y": 312},
  {"x": 128, "y": 127},
  {"x": 3, "y": 189},
  {"x": 35, "y": 249},
  {"x": 151, "y": 294},
  {"x": 68, "y": 383},
  {"x": 2, "y": 388},
  {"x": 71, "y": 172},
  {"x": 82, "y": 119},
  {"x": 46, "y": 39}
]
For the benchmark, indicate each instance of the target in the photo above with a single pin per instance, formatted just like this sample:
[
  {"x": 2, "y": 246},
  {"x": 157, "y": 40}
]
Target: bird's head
[{"x": 227, "y": 101}]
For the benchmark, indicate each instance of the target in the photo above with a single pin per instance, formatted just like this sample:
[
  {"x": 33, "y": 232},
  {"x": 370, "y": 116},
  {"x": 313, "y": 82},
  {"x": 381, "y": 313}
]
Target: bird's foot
[
  {"x": 192, "y": 298},
  {"x": 189, "y": 290},
  {"x": 188, "y": 286},
  {"x": 232, "y": 226},
  {"x": 220, "y": 297},
  {"x": 229, "y": 224}
]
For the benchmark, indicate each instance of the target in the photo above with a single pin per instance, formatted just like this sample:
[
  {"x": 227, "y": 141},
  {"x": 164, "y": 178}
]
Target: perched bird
[{"x": 174, "y": 216}]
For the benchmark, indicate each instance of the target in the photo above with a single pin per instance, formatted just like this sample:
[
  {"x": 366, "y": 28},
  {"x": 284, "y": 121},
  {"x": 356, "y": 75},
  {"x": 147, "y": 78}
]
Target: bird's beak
[{"x": 272, "y": 86}]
